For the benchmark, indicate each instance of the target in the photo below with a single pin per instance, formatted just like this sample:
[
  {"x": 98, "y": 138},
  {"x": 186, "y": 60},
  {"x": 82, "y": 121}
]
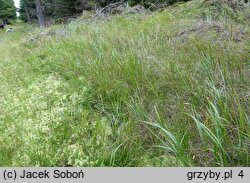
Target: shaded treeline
[{"x": 40, "y": 11}]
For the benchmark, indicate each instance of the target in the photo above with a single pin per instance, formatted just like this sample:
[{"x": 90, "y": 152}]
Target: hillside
[{"x": 163, "y": 88}]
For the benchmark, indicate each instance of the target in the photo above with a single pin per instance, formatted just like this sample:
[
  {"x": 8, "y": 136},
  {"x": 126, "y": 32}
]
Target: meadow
[{"x": 163, "y": 88}]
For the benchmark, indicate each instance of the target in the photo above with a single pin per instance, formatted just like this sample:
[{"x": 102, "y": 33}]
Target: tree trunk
[
  {"x": 26, "y": 8},
  {"x": 39, "y": 13}
]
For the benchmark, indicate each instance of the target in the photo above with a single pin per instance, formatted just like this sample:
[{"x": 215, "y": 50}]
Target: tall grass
[{"x": 135, "y": 90}]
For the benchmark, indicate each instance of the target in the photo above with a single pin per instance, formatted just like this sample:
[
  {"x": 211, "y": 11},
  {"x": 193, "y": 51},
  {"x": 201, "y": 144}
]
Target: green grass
[{"x": 166, "y": 88}]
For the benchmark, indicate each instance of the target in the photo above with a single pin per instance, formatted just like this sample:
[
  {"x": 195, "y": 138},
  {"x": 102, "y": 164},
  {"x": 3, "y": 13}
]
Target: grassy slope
[{"x": 169, "y": 88}]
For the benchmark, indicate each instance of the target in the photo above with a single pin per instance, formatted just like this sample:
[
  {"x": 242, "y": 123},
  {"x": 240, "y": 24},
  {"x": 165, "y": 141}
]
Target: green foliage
[
  {"x": 65, "y": 8},
  {"x": 237, "y": 10},
  {"x": 7, "y": 9},
  {"x": 163, "y": 89},
  {"x": 60, "y": 8}
]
